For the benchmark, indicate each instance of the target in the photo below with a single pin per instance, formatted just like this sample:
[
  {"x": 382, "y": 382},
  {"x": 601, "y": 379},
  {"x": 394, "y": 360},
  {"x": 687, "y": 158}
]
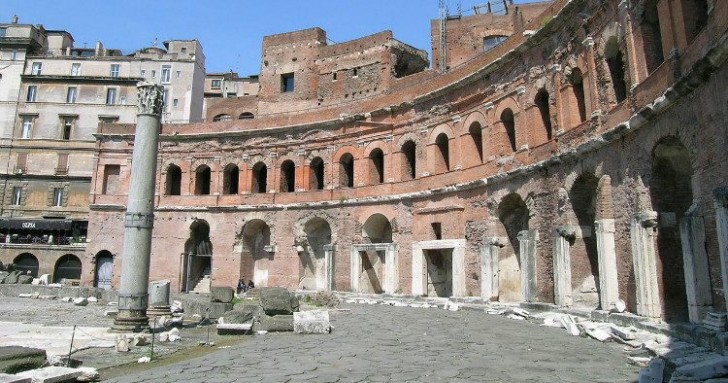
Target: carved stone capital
[
  {"x": 496, "y": 241},
  {"x": 567, "y": 232},
  {"x": 149, "y": 98},
  {"x": 646, "y": 218},
  {"x": 721, "y": 196}
]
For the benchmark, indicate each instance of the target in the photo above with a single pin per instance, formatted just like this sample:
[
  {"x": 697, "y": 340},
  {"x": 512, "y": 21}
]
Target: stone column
[
  {"x": 721, "y": 223},
  {"x": 563, "y": 238},
  {"x": 419, "y": 268},
  {"x": 159, "y": 299},
  {"x": 139, "y": 216},
  {"x": 489, "y": 287},
  {"x": 643, "y": 229},
  {"x": 608, "y": 283},
  {"x": 391, "y": 276},
  {"x": 355, "y": 268},
  {"x": 528, "y": 239},
  {"x": 695, "y": 263},
  {"x": 329, "y": 251}
]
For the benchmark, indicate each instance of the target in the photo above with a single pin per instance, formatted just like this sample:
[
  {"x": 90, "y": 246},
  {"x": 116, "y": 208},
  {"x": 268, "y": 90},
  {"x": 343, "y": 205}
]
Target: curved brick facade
[{"x": 579, "y": 162}]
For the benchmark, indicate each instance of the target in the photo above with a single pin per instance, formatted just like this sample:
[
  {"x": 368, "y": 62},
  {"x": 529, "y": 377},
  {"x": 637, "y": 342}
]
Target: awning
[{"x": 36, "y": 224}]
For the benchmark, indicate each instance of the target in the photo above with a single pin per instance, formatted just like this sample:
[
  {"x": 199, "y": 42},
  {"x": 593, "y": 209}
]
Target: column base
[
  {"x": 130, "y": 321},
  {"x": 158, "y": 311}
]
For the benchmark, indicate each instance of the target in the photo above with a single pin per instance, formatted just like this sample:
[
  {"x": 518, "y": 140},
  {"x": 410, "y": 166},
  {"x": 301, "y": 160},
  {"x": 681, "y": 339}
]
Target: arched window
[
  {"x": 476, "y": 134},
  {"x": 222, "y": 117},
  {"x": 25, "y": 263},
  {"x": 542, "y": 103},
  {"x": 409, "y": 158},
  {"x": 442, "y": 143},
  {"x": 173, "y": 180},
  {"x": 490, "y": 42},
  {"x": 577, "y": 86},
  {"x": 67, "y": 267},
  {"x": 346, "y": 171},
  {"x": 316, "y": 181},
  {"x": 651, "y": 36},
  {"x": 288, "y": 176},
  {"x": 509, "y": 123},
  {"x": 376, "y": 167},
  {"x": 260, "y": 178},
  {"x": 246, "y": 116},
  {"x": 615, "y": 62},
  {"x": 203, "y": 177},
  {"x": 230, "y": 179},
  {"x": 695, "y": 17}
]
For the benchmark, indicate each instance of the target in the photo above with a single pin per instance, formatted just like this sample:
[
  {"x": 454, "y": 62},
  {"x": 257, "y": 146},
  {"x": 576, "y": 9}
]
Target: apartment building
[{"x": 53, "y": 98}]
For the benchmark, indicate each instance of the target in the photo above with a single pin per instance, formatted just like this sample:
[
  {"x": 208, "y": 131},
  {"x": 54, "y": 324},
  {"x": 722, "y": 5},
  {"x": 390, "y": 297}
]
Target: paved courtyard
[{"x": 373, "y": 343}]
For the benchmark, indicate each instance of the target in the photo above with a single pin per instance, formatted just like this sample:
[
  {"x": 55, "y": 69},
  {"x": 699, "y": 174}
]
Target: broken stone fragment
[
  {"x": 122, "y": 343},
  {"x": 311, "y": 322},
  {"x": 80, "y": 301}
]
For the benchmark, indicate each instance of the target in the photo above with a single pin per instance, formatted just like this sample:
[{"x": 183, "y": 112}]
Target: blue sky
[{"x": 230, "y": 32}]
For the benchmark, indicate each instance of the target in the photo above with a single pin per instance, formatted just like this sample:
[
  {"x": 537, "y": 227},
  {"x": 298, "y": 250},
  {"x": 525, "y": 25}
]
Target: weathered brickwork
[{"x": 560, "y": 135}]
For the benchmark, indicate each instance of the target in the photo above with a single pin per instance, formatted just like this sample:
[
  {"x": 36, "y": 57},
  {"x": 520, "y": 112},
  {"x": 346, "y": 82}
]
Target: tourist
[
  {"x": 241, "y": 285},
  {"x": 251, "y": 285}
]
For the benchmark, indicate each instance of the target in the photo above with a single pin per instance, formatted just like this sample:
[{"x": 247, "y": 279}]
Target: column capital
[
  {"x": 567, "y": 232},
  {"x": 721, "y": 196},
  {"x": 646, "y": 218},
  {"x": 149, "y": 98}
]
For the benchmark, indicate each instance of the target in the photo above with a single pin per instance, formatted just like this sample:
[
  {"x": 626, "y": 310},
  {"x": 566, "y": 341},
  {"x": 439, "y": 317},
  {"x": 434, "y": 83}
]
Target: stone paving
[{"x": 373, "y": 343}]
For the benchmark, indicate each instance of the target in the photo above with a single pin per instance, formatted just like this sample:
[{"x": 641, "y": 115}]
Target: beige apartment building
[{"x": 53, "y": 98}]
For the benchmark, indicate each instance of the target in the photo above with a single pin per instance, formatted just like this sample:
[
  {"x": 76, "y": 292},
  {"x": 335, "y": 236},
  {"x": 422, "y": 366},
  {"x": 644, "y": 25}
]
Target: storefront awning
[{"x": 36, "y": 224}]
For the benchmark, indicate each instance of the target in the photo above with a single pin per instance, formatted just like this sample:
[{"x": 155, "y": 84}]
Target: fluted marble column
[{"x": 139, "y": 218}]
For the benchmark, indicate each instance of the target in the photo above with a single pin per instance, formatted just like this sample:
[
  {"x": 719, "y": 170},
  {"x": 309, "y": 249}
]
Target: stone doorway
[
  {"x": 104, "y": 270},
  {"x": 672, "y": 196},
  {"x": 256, "y": 254},
  {"x": 373, "y": 268},
  {"x": 513, "y": 217},
  {"x": 439, "y": 272},
  {"x": 197, "y": 258},
  {"x": 438, "y": 268},
  {"x": 315, "y": 256},
  {"x": 584, "y": 258}
]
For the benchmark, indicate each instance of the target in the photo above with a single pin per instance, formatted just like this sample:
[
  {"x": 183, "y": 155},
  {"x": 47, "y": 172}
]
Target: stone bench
[{"x": 234, "y": 328}]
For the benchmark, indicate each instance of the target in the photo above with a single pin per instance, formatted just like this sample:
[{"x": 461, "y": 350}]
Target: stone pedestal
[
  {"x": 159, "y": 299},
  {"x": 563, "y": 238},
  {"x": 695, "y": 263},
  {"x": 643, "y": 230},
  {"x": 528, "y": 241},
  {"x": 139, "y": 218},
  {"x": 721, "y": 223},
  {"x": 608, "y": 283},
  {"x": 489, "y": 269}
]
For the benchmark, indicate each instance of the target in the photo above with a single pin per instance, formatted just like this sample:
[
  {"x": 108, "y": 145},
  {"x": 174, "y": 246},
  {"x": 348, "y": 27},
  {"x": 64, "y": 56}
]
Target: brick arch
[
  {"x": 338, "y": 171},
  {"x": 496, "y": 134},
  {"x": 286, "y": 182},
  {"x": 440, "y": 155},
  {"x": 377, "y": 172},
  {"x": 442, "y": 128},
  {"x": 620, "y": 80},
  {"x": 575, "y": 96},
  {"x": 405, "y": 164},
  {"x": 472, "y": 147}
]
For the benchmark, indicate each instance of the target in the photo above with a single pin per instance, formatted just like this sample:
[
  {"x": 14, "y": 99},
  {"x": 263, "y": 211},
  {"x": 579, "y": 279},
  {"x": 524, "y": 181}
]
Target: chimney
[{"x": 14, "y": 20}]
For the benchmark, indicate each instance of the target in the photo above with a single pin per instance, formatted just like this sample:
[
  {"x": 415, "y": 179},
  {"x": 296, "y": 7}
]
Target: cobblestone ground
[{"x": 402, "y": 344}]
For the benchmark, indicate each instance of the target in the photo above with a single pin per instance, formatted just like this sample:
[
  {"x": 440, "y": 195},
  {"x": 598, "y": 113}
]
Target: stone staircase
[{"x": 203, "y": 284}]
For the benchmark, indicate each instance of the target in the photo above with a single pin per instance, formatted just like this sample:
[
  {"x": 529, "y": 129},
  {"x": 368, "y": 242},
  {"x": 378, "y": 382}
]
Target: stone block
[
  {"x": 80, "y": 301},
  {"x": 14, "y": 359},
  {"x": 25, "y": 279},
  {"x": 12, "y": 278},
  {"x": 703, "y": 370},
  {"x": 278, "y": 301},
  {"x": 222, "y": 294},
  {"x": 52, "y": 374},
  {"x": 278, "y": 323},
  {"x": 7, "y": 378},
  {"x": 311, "y": 322},
  {"x": 653, "y": 373},
  {"x": 218, "y": 309},
  {"x": 241, "y": 314},
  {"x": 234, "y": 328}
]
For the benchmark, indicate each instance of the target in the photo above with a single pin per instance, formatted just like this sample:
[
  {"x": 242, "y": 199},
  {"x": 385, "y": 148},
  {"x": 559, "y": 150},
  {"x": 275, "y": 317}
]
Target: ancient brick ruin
[{"x": 581, "y": 161}]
